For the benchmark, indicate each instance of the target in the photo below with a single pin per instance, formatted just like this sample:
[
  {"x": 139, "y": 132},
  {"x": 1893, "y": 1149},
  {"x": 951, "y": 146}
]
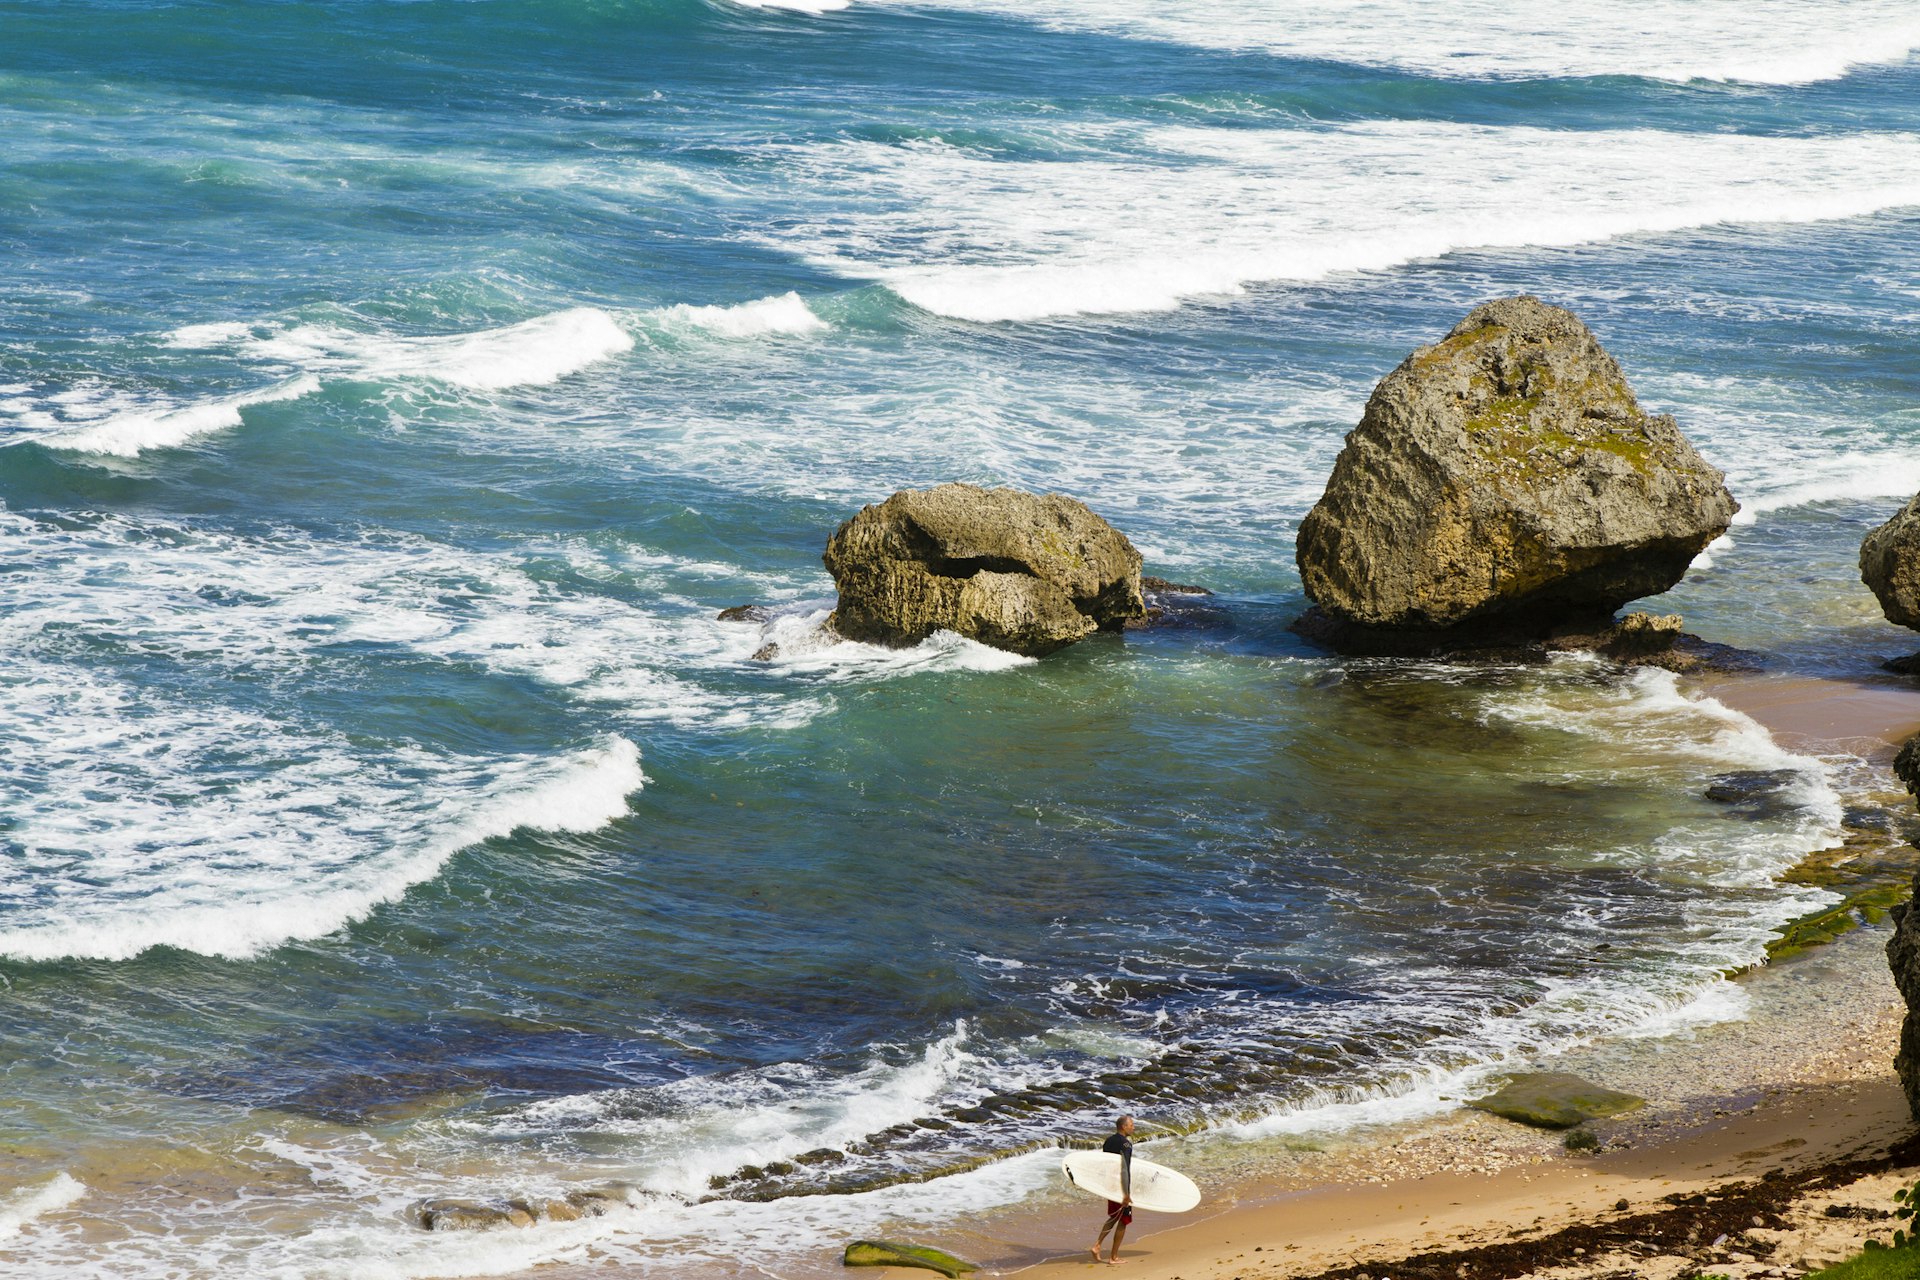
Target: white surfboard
[{"x": 1155, "y": 1187}]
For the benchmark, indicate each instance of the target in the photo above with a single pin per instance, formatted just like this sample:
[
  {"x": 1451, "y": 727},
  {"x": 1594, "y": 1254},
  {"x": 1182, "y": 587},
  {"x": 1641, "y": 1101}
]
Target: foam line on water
[
  {"x": 129, "y": 434},
  {"x": 1145, "y": 219},
  {"x": 1849, "y": 476},
  {"x": 528, "y": 354},
  {"x": 23, "y": 1206},
  {"x": 1767, "y": 41},
  {"x": 803, "y": 646},
  {"x": 682, "y": 1134},
  {"x": 785, "y": 313},
  {"x": 291, "y": 855}
]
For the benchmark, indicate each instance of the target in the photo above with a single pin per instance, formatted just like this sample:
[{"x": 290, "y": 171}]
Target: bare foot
[
  {"x": 1094, "y": 1249},
  {"x": 1115, "y": 1262}
]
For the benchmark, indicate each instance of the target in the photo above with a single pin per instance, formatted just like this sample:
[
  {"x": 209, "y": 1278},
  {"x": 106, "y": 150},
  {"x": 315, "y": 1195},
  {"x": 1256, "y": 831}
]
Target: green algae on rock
[
  {"x": 1555, "y": 1100},
  {"x": 1505, "y": 480},
  {"x": 886, "y": 1253}
]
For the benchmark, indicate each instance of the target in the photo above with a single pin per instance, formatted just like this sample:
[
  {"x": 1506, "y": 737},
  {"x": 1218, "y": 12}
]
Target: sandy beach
[{"x": 1771, "y": 1145}]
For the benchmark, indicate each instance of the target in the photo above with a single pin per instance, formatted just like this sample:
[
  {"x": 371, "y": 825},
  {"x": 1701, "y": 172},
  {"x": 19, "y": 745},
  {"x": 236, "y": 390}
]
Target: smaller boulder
[
  {"x": 1890, "y": 565},
  {"x": 1031, "y": 573},
  {"x": 1555, "y": 1100},
  {"x": 885, "y": 1253}
]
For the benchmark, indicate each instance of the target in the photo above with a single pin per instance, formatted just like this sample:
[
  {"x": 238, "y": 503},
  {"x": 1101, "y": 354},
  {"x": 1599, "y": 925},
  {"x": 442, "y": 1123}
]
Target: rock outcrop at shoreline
[
  {"x": 1903, "y": 948},
  {"x": 1027, "y": 572},
  {"x": 1903, "y": 957},
  {"x": 1890, "y": 565},
  {"x": 1502, "y": 485}
]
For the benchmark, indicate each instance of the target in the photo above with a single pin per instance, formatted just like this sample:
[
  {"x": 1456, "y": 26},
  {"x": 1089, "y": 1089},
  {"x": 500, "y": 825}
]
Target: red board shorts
[{"x": 1124, "y": 1212}]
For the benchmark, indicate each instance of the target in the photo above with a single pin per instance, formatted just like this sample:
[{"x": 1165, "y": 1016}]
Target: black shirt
[{"x": 1121, "y": 1145}]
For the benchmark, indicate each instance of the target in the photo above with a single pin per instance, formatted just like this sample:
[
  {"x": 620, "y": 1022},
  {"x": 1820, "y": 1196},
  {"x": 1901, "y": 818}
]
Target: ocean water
[{"x": 392, "y": 393}]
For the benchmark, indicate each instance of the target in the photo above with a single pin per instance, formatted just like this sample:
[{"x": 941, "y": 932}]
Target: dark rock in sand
[
  {"x": 885, "y": 1253},
  {"x": 1555, "y": 1100},
  {"x": 1027, "y": 572},
  {"x": 1890, "y": 565},
  {"x": 1502, "y": 484}
]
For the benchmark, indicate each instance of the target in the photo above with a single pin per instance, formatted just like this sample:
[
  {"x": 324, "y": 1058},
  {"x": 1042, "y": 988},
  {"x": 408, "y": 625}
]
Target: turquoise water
[{"x": 392, "y": 393}]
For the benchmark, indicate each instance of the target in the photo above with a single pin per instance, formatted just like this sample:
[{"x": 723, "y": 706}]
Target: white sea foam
[
  {"x": 213, "y": 333},
  {"x": 803, "y": 646},
  {"x": 1766, "y": 41},
  {"x": 1848, "y": 476},
  {"x": 683, "y": 1134},
  {"x": 128, "y": 434},
  {"x": 1145, "y": 220},
  {"x": 531, "y": 353},
  {"x": 235, "y": 836},
  {"x": 23, "y": 1206},
  {"x": 781, "y": 313}
]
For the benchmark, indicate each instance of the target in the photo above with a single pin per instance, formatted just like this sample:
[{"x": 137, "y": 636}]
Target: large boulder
[
  {"x": 1021, "y": 571},
  {"x": 1890, "y": 565},
  {"x": 1505, "y": 482}
]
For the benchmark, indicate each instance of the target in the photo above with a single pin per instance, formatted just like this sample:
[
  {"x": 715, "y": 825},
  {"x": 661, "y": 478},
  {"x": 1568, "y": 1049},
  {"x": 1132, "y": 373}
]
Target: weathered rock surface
[
  {"x": 885, "y": 1253},
  {"x": 1890, "y": 565},
  {"x": 1555, "y": 1100},
  {"x": 1021, "y": 571},
  {"x": 1504, "y": 483},
  {"x": 1903, "y": 957}
]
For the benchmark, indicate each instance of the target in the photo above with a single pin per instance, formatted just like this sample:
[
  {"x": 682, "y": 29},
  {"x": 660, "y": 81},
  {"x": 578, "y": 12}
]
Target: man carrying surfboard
[{"x": 1119, "y": 1212}]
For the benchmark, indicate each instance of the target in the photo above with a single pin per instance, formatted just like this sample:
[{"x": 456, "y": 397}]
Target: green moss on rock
[
  {"x": 887, "y": 1253},
  {"x": 1555, "y": 1100}
]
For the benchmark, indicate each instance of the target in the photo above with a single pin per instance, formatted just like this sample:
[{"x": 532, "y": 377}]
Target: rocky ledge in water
[
  {"x": 1026, "y": 572},
  {"x": 1502, "y": 486},
  {"x": 1633, "y": 639}
]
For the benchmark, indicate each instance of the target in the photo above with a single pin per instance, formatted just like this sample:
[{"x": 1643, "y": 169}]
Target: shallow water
[{"x": 392, "y": 393}]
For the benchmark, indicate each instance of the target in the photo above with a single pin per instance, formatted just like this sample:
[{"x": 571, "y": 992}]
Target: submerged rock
[
  {"x": 1890, "y": 565},
  {"x": 885, "y": 1253},
  {"x": 1555, "y": 1100},
  {"x": 469, "y": 1215},
  {"x": 448, "y": 1214},
  {"x": 1502, "y": 484},
  {"x": 1027, "y": 572}
]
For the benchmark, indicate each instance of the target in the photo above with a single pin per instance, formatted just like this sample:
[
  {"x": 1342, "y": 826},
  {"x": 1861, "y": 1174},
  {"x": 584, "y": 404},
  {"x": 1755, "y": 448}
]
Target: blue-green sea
[{"x": 393, "y": 393}]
